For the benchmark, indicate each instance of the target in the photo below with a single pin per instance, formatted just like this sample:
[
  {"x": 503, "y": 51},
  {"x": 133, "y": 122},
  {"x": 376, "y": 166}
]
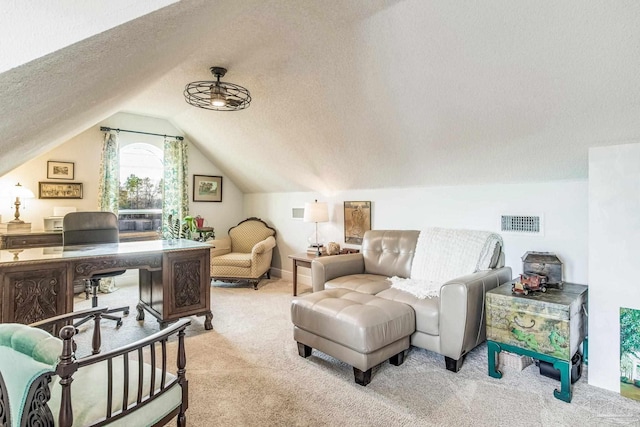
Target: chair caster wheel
[
  {"x": 119, "y": 323},
  {"x": 126, "y": 312}
]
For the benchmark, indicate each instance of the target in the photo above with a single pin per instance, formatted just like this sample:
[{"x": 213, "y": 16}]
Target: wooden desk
[{"x": 37, "y": 283}]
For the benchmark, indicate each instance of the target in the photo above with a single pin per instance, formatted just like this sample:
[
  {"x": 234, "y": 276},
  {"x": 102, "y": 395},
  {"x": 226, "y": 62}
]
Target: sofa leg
[
  {"x": 304, "y": 350},
  {"x": 268, "y": 274},
  {"x": 453, "y": 365},
  {"x": 255, "y": 284},
  {"x": 362, "y": 378},
  {"x": 398, "y": 359}
]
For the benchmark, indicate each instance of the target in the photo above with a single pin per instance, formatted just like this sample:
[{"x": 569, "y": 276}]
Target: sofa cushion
[
  {"x": 234, "y": 259},
  {"x": 427, "y": 309},
  {"x": 389, "y": 252},
  {"x": 366, "y": 283},
  {"x": 361, "y": 322},
  {"x": 91, "y": 383}
]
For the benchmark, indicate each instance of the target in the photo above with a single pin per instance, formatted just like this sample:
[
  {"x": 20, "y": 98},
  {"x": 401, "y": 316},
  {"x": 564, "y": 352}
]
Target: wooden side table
[
  {"x": 547, "y": 326},
  {"x": 300, "y": 260}
]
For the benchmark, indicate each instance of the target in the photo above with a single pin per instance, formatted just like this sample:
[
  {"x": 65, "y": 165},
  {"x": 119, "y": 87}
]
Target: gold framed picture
[
  {"x": 207, "y": 188},
  {"x": 357, "y": 220},
  {"x": 60, "y": 190},
  {"x": 60, "y": 170}
]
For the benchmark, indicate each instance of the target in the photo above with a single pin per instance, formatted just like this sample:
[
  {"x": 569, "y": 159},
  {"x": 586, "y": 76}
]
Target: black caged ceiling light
[{"x": 217, "y": 95}]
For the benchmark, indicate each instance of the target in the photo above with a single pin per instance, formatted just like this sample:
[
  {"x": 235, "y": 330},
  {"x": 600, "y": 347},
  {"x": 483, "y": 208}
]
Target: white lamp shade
[
  {"x": 316, "y": 212},
  {"x": 19, "y": 191}
]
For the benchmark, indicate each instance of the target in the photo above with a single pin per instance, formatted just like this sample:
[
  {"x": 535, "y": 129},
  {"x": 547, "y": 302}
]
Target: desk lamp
[{"x": 316, "y": 212}]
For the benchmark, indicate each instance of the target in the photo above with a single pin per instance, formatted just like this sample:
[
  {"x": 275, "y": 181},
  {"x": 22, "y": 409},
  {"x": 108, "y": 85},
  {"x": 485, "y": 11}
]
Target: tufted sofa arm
[
  {"x": 324, "y": 269},
  {"x": 462, "y": 321}
]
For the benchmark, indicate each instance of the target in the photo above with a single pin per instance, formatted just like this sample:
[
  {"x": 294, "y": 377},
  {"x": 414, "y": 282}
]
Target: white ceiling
[{"x": 354, "y": 94}]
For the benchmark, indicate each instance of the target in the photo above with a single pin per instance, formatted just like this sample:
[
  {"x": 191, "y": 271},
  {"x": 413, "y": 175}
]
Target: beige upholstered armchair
[{"x": 245, "y": 254}]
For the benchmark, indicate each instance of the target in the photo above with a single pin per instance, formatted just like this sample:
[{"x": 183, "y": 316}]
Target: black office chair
[{"x": 85, "y": 228}]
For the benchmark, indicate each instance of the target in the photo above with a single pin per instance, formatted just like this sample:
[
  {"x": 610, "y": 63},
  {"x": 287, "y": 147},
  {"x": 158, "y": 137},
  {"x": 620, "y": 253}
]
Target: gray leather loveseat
[{"x": 450, "y": 324}]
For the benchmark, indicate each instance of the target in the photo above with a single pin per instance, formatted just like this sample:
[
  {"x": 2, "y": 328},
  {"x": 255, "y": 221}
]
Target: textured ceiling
[{"x": 350, "y": 94}]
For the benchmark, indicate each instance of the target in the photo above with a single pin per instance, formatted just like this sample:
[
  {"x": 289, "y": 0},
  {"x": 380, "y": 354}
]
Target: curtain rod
[{"x": 107, "y": 129}]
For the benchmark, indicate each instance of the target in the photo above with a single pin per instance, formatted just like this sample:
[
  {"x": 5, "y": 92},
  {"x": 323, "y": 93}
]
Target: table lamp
[
  {"x": 19, "y": 191},
  {"x": 316, "y": 212},
  {"x": 17, "y": 225}
]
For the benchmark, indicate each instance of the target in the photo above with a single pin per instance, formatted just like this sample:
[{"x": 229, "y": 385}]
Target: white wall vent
[
  {"x": 297, "y": 213},
  {"x": 522, "y": 224}
]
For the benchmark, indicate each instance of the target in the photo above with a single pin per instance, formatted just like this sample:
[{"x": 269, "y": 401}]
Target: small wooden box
[{"x": 551, "y": 323}]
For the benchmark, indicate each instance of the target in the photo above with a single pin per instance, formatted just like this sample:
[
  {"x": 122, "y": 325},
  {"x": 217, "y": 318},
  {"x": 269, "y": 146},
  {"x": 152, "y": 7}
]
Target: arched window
[{"x": 140, "y": 201}]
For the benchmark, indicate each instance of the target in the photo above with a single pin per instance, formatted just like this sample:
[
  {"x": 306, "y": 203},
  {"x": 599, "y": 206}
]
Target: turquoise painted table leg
[
  {"x": 565, "y": 380},
  {"x": 564, "y": 366},
  {"x": 493, "y": 348}
]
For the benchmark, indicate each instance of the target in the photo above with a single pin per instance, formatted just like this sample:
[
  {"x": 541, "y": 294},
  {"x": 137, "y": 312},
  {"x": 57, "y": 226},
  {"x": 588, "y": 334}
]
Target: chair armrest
[
  {"x": 220, "y": 246},
  {"x": 263, "y": 246},
  {"x": 324, "y": 269},
  {"x": 462, "y": 310}
]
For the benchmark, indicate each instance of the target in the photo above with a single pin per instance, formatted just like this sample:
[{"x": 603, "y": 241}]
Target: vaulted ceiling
[{"x": 353, "y": 94}]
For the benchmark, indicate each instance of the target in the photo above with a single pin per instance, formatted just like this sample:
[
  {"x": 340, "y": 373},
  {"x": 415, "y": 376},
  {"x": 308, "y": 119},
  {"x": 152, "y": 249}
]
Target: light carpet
[{"x": 247, "y": 372}]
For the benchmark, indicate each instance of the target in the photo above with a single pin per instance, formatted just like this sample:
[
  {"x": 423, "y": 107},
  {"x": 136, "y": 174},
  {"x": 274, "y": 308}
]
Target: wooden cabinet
[
  {"x": 550, "y": 322},
  {"x": 30, "y": 240},
  {"x": 548, "y": 326}
]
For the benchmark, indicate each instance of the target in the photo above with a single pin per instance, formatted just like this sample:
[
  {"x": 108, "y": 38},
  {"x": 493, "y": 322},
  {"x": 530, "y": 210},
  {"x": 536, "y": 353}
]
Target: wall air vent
[
  {"x": 297, "y": 213},
  {"x": 522, "y": 224}
]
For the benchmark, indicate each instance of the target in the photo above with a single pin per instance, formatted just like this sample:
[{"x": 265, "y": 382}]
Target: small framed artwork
[
  {"x": 357, "y": 220},
  {"x": 60, "y": 170},
  {"x": 59, "y": 190},
  {"x": 207, "y": 188}
]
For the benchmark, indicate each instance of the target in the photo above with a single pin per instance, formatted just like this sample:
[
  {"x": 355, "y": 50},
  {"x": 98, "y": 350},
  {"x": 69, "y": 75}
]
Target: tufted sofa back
[{"x": 389, "y": 252}]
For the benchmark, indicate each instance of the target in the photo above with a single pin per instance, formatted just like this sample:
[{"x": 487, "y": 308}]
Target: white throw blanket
[{"x": 444, "y": 254}]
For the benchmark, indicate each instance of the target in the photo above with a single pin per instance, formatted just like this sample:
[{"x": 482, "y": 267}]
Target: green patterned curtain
[
  {"x": 109, "y": 180},
  {"x": 175, "y": 198}
]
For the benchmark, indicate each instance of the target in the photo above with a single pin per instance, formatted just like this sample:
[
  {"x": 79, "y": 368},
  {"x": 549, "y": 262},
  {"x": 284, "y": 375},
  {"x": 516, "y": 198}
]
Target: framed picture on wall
[
  {"x": 207, "y": 188},
  {"x": 60, "y": 190},
  {"x": 357, "y": 220},
  {"x": 60, "y": 170}
]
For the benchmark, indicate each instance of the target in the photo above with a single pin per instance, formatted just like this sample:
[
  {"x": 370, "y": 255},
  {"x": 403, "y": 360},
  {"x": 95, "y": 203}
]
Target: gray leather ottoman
[{"x": 359, "y": 329}]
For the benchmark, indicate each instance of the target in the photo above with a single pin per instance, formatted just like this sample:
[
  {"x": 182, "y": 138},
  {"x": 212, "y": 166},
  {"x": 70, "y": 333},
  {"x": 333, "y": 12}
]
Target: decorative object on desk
[
  {"x": 58, "y": 190},
  {"x": 333, "y": 248},
  {"x": 630, "y": 353},
  {"x": 16, "y": 224},
  {"x": 316, "y": 212},
  {"x": 357, "y": 220},
  {"x": 544, "y": 264},
  {"x": 60, "y": 170},
  {"x": 207, "y": 188},
  {"x": 217, "y": 95},
  {"x": 199, "y": 221}
]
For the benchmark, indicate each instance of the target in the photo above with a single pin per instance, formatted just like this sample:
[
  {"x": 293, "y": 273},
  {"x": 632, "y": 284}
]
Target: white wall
[
  {"x": 84, "y": 151},
  {"x": 562, "y": 204},
  {"x": 614, "y": 251}
]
